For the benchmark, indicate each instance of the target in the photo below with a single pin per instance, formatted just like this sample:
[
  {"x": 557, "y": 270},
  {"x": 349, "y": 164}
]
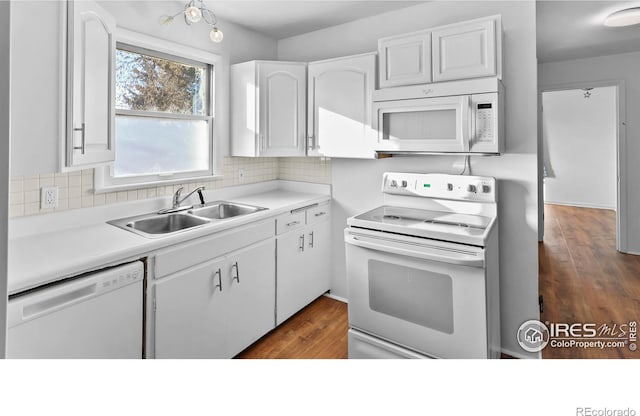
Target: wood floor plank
[
  {"x": 583, "y": 278},
  {"x": 317, "y": 331}
]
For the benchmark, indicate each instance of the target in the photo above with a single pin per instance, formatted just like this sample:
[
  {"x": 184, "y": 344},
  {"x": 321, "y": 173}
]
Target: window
[{"x": 164, "y": 118}]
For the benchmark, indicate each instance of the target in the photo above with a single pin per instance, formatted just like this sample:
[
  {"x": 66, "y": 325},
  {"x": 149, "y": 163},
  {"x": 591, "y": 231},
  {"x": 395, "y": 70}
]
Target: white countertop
[{"x": 57, "y": 251}]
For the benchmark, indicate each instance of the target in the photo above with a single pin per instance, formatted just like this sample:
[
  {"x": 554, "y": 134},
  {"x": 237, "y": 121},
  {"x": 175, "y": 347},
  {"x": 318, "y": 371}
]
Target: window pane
[
  {"x": 147, "y": 145},
  {"x": 149, "y": 83}
]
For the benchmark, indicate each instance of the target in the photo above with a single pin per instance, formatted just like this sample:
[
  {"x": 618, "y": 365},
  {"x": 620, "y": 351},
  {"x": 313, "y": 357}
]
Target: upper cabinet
[
  {"x": 405, "y": 59},
  {"x": 463, "y": 50},
  {"x": 268, "y": 109},
  {"x": 339, "y": 107},
  {"x": 91, "y": 52}
]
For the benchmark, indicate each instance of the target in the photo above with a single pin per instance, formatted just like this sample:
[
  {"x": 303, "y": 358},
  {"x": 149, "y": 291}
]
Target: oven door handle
[{"x": 451, "y": 257}]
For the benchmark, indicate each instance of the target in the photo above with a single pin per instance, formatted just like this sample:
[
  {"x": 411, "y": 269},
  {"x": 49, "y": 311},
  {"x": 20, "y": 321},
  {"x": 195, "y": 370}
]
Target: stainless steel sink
[
  {"x": 223, "y": 210},
  {"x": 157, "y": 225}
]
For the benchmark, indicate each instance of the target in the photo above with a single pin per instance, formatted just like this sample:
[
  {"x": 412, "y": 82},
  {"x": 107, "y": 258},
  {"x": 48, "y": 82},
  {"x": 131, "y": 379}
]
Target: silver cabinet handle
[
  {"x": 82, "y": 138},
  {"x": 219, "y": 285},
  {"x": 427, "y": 91},
  {"x": 301, "y": 246},
  {"x": 310, "y": 142},
  {"x": 292, "y": 223},
  {"x": 320, "y": 214},
  {"x": 237, "y": 276},
  {"x": 311, "y": 239}
]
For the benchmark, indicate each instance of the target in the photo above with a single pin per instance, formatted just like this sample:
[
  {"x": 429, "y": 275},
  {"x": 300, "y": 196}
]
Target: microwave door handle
[
  {"x": 452, "y": 258},
  {"x": 466, "y": 124}
]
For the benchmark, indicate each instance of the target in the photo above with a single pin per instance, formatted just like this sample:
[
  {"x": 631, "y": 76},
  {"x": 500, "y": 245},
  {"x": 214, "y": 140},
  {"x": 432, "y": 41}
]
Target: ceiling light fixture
[
  {"x": 194, "y": 12},
  {"x": 625, "y": 17},
  {"x": 587, "y": 92}
]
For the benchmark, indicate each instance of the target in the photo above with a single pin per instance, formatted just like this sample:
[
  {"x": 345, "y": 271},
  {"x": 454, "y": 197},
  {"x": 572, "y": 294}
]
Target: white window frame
[{"x": 104, "y": 180}]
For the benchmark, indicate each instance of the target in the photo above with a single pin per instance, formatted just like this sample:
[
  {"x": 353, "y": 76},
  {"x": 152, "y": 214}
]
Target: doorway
[{"x": 581, "y": 150}]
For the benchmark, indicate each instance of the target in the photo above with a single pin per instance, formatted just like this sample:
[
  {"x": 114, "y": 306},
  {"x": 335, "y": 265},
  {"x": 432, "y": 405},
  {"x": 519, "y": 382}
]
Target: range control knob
[
  {"x": 449, "y": 187},
  {"x": 486, "y": 189},
  {"x": 394, "y": 184},
  {"x": 404, "y": 184},
  {"x": 472, "y": 188}
]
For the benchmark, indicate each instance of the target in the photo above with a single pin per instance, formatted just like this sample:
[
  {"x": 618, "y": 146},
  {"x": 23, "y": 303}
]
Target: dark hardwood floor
[
  {"x": 317, "y": 331},
  {"x": 584, "y": 279}
]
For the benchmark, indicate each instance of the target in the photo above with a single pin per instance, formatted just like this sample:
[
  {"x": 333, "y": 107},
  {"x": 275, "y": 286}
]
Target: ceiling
[
  {"x": 282, "y": 19},
  {"x": 574, "y": 30}
]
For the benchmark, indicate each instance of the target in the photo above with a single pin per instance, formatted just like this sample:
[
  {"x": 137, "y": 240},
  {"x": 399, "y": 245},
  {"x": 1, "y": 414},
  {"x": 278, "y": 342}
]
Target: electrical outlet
[
  {"x": 49, "y": 197},
  {"x": 241, "y": 175}
]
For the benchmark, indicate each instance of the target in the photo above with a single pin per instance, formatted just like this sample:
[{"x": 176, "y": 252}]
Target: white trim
[
  {"x": 334, "y": 297},
  {"x": 580, "y": 205},
  {"x": 622, "y": 242},
  {"x": 103, "y": 181}
]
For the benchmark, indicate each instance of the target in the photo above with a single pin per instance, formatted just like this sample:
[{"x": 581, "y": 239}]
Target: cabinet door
[
  {"x": 405, "y": 60},
  {"x": 318, "y": 264},
  {"x": 91, "y": 92},
  {"x": 339, "y": 119},
  {"x": 190, "y": 307},
  {"x": 291, "y": 274},
  {"x": 463, "y": 51},
  {"x": 281, "y": 93},
  {"x": 250, "y": 276}
]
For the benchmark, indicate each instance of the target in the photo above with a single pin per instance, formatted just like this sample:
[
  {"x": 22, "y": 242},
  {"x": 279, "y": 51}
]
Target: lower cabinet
[
  {"x": 303, "y": 268},
  {"x": 217, "y": 308}
]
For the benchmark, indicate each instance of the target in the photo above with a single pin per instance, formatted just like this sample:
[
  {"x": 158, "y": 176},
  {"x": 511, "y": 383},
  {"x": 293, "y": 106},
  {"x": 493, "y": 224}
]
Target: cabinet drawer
[
  {"x": 319, "y": 213},
  {"x": 185, "y": 255},
  {"x": 291, "y": 221}
]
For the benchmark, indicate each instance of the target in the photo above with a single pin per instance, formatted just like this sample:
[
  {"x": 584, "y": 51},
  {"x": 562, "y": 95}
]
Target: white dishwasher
[{"x": 97, "y": 315}]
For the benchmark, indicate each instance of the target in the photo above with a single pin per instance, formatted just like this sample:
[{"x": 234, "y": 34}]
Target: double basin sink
[{"x": 160, "y": 225}]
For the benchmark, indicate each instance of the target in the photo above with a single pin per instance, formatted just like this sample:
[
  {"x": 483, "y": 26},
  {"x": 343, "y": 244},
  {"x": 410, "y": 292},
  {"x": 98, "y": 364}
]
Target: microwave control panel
[{"x": 484, "y": 122}]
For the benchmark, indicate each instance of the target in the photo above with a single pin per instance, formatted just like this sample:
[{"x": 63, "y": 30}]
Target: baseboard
[
  {"x": 520, "y": 355},
  {"x": 338, "y": 298},
  {"x": 581, "y": 205}
]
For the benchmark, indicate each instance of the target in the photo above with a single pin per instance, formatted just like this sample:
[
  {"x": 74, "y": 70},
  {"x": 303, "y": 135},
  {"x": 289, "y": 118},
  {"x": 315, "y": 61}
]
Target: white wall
[
  {"x": 580, "y": 156},
  {"x": 356, "y": 184},
  {"x": 4, "y": 163},
  {"x": 36, "y": 59},
  {"x": 625, "y": 67}
]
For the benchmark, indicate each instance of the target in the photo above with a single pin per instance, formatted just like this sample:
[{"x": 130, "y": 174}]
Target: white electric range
[{"x": 422, "y": 270}]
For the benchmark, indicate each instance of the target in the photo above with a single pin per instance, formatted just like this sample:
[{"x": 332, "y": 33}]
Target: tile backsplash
[{"x": 75, "y": 189}]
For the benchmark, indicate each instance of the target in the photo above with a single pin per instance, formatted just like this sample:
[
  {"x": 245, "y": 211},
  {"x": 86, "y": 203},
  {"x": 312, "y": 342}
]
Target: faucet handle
[{"x": 176, "y": 196}]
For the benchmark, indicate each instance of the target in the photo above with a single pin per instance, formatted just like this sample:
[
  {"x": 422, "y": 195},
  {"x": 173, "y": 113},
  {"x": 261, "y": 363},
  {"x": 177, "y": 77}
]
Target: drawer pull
[
  {"x": 292, "y": 223},
  {"x": 320, "y": 214},
  {"x": 311, "y": 239},
  {"x": 301, "y": 246},
  {"x": 219, "y": 285}
]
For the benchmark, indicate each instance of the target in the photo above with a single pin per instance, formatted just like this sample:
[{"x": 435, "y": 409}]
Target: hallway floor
[{"x": 584, "y": 279}]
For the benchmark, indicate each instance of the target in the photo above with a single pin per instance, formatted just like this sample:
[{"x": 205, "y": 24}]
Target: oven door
[
  {"x": 439, "y": 124},
  {"x": 425, "y": 295}
]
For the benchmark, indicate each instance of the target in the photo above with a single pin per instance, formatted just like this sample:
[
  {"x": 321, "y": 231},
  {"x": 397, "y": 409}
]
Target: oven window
[
  {"x": 419, "y": 296},
  {"x": 420, "y": 125}
]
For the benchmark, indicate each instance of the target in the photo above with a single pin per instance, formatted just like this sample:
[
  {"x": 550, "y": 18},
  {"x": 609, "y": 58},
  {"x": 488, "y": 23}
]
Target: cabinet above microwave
[{"x": 454, "y": 117}]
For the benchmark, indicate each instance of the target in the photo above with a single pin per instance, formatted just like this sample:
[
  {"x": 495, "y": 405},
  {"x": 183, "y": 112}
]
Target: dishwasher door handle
[{"x": 54, "y": 302}]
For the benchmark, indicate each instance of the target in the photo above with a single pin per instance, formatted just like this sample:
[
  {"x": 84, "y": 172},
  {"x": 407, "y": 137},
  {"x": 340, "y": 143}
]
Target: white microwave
[{"x": 452, "y": 117}]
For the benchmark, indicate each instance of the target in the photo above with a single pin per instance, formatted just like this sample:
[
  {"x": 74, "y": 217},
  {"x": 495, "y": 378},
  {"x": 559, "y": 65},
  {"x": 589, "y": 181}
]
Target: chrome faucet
[{"x": 177, "y": 200}]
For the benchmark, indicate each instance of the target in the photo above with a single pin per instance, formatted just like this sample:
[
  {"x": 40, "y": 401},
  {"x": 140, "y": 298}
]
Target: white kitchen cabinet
[
  {"x": 218, "y": 308},
  {"x": 302, "y": 262},
  {"x": 190, "y": 307},
  {"x": 90, "y": 85},
  {"x": 405, "y": 59},
  {"x": 467, "y": 50},
  {"x": 339, "y": 107},
  {"x": 268, "y": 109},
  {"x": 250, "y": 295}
]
